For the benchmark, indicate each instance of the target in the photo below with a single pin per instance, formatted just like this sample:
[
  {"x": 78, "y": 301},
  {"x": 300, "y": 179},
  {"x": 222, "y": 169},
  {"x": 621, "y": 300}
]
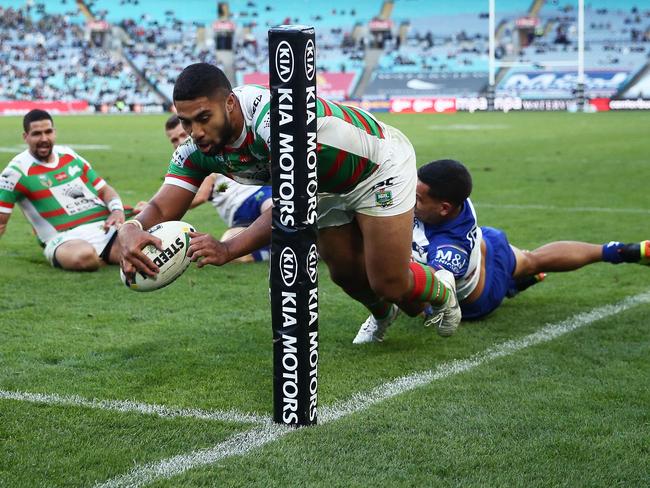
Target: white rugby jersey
[{"x": 228, "y": 196}]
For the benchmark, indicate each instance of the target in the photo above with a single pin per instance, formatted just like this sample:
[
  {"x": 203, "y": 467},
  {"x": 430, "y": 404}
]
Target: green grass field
[{"x": 573, "y": 410}]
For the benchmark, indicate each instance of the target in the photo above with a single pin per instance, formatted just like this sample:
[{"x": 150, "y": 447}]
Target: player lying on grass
[
  {"x": 487, "y": 268},
  {"x": 238, "y": 205},
  {"x": 366, "y": 176},
  {"x": 74, "y": 213}
]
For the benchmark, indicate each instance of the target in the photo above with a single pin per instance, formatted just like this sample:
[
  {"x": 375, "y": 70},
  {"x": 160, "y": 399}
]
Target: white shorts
[
  {"x": 389, "y": 191},
  {"x": 92, "y": 233}
]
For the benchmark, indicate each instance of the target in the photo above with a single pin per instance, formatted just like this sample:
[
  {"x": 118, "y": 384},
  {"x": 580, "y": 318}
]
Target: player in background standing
[
  {"x": 486, "y": 266},
  {"x": 74, "y": 212},
  {"x": 366, "y": 176}
]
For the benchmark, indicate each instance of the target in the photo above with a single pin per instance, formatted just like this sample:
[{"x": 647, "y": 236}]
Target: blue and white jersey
[
  {"x": 228, "y": 195},
  {"x": 454, "y": 245}
]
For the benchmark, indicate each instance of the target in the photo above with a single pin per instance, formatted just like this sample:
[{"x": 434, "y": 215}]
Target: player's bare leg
[
  {"x": 77, "y": 255},
  {"x": 341, "y": 248},
  {"x": 556, "y": 257},
  {"x": 394, "y": 278},
  {"x": 387, "y": 251}
]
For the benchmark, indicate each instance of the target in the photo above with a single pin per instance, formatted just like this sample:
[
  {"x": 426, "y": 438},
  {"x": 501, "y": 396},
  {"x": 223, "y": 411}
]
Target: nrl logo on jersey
[
  {"x": 384, "y": 198},
  {"x": 45, "y": 181}
]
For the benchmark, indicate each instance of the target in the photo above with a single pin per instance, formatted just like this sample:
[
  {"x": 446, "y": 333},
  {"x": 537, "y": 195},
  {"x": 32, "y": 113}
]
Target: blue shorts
[
  {"x": 250, "y": 209},
  {"x": 500, "y": 263}
]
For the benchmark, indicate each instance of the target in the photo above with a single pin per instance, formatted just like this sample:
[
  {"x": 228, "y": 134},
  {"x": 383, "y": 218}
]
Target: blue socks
[{"x": 611, "y": 252}]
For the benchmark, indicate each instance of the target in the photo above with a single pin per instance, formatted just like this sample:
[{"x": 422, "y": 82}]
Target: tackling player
[
  {"x": 487, "y": 268},
  {"x": 74, "y": 213},
  {"x": 366, "y": 176}
]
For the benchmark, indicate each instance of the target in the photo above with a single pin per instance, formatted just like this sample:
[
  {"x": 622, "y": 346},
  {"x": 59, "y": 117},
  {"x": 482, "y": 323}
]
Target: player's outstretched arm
[
  {"x": 109, "y": 195},
  {"x": 211, "y": 251},
  {"x": 4, "y": 218},
  {"x": 170, "y": 203},
  {"x": 205, "y": 190}
]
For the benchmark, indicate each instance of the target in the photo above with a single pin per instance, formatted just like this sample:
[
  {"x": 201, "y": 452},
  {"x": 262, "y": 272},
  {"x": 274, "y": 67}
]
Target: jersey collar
[
  {"x": 240, "y": 140},
  {"x": 51, "y": 165}
]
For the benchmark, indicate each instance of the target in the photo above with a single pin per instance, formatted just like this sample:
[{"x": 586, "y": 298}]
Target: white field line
[
  {"x": 80, "y": 147},
  {"x": 244, "y": 442},
  {"x": 142, "y": 408},
  {"x": 564, "y": 209}
]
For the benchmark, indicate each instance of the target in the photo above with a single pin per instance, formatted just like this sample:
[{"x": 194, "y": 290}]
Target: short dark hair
[
  {"x": 172, "y": 122},
  {"x": 34, "y": 116},
  {"x": 201, "y": 80},
  {"x": 448, "y": 180}
]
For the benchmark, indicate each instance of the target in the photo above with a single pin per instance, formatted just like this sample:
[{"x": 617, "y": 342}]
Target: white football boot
[
  {"x": 444, "y": 318},
  {"x": 373, "y": 330}
]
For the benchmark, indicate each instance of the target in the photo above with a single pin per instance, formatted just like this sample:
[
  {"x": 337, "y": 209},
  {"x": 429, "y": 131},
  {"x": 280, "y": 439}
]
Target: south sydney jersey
[
  {"x": 56, "y": 196},
  {"x": 351, "y": 144}
]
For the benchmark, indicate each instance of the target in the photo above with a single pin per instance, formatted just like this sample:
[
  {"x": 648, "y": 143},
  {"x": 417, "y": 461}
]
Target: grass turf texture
[{"x": 570, "y": 412}]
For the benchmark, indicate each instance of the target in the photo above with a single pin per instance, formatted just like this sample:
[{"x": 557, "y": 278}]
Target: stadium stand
[
  {"x": 49, "y": 57},
  {"x": 161, "y": 50},
  {"x": 617, "y": 46},
  {"x": 373, "y": 49},
  {"x": 339, "y": 49}
]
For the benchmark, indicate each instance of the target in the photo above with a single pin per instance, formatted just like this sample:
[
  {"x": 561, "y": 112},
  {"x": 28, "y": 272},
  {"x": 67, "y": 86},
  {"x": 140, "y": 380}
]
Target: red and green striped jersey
[
  {"x": 56, "y": 196},
  {"x": 351, "y": 146}
]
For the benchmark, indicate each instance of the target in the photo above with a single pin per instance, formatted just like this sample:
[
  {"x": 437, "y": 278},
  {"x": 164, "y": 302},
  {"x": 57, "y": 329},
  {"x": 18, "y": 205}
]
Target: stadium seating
[
  {"x": 51, "y": 59},
  {"x": 49, "y": 50},
  {"x": 616, "y": 48},
  {"x": 161, "y": 51}
]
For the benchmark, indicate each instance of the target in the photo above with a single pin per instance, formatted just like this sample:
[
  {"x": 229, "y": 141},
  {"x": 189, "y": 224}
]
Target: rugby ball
[{"x": 172, "y": 260}]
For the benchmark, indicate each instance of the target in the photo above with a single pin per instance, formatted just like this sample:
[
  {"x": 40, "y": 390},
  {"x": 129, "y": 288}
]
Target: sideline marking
[
  {"x": 245, "y": 442},
  {"x": 469, "y": 127},
  {"x": 87, "y": 147},
  {"x": 128, "y": 406},
  {"x": 563, "y": 209}
]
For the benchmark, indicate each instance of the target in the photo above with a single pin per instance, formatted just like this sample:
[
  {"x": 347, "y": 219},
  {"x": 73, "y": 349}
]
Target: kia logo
[
  {"x": 312, "y": 263},
  {"x": 288, "y": 266},
  {"x": 284, "y": 61},
  {"x": 309, "y": 60}
]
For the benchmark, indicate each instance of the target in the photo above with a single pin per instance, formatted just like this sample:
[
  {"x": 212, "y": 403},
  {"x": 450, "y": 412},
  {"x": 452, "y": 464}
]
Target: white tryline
[
  {"x": 128, "y": 406},
  {"x": 235, "y": 445},
  {"x": 564, "y": 209},
  {"x": 244, "y": 442}
]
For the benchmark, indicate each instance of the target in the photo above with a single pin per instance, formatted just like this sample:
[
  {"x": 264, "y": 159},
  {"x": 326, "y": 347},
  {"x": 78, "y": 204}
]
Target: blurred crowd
[{"x": 47, "y": 56}]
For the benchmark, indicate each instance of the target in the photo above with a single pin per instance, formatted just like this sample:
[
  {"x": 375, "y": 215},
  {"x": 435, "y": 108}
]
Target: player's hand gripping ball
[{"x": 172, "y": 260}]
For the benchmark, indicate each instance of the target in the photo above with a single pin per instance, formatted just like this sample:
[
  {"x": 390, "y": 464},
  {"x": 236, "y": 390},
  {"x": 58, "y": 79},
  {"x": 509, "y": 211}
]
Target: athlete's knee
[
  {"x": 345, "y": 278},
  {"x": 527, "y": 264},
  {"x": 391, "y": 288},
  {"x": 82, "y": 259}
]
